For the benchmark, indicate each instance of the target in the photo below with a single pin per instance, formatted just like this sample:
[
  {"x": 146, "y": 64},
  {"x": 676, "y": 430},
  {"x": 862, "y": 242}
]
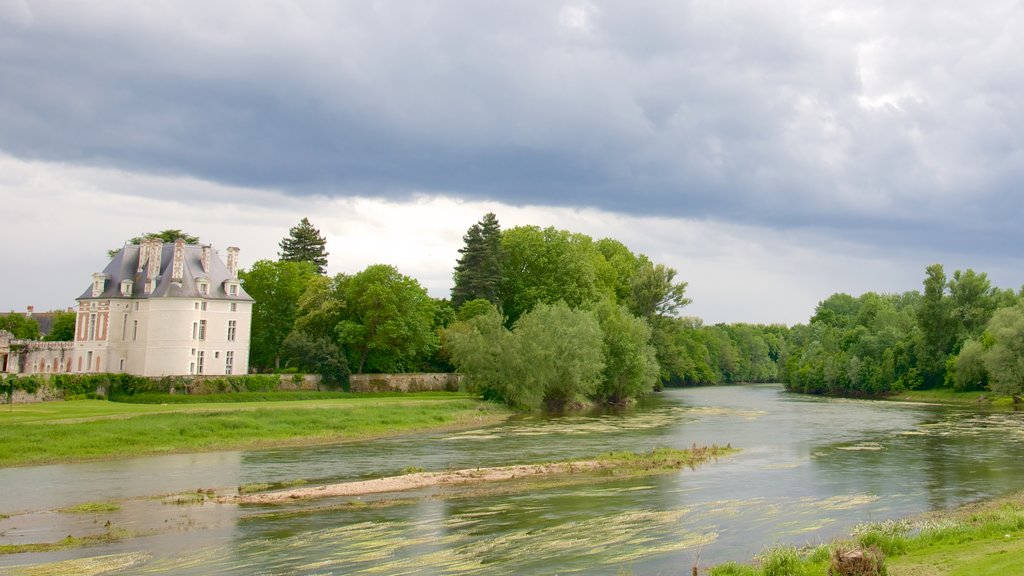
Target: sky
[{"x": 774, "y": 153}]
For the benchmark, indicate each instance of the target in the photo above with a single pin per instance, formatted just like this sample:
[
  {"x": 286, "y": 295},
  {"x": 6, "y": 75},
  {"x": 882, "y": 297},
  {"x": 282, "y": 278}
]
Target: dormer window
[
  {"x": 99, "y": 281},
  {"x": 204, "y": 287},
  {"x": 126, "y": 287},
  {"x": 231, "y": 287}
]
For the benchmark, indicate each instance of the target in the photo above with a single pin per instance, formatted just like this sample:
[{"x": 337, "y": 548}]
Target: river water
[{"x": 810, "y": 469}]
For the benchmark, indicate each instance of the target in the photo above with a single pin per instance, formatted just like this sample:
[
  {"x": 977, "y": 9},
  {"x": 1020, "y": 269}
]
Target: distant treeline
[{"x": 960, "y": 333}]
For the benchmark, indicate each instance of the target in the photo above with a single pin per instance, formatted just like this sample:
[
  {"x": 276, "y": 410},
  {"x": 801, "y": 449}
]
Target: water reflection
[{"x": 810, "y": 469}]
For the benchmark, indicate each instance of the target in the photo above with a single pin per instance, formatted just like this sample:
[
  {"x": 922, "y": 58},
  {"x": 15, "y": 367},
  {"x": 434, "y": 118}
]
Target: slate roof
[{"x": 125, "y": 265}]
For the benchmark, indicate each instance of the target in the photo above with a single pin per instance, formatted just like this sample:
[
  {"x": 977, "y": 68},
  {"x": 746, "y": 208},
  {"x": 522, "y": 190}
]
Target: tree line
[
  {"x": 537, "y": 317},
  {"x": 960, "y": 332}
]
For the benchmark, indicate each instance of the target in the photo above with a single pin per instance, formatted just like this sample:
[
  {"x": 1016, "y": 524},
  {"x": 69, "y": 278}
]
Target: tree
[
  {"x": 480, "y": 270},
  {"x": 970, "y": 367},
  {"x": 305, "y": 244},
  {"x": 169, "y": 235},
  {"x": 63, "y": 328},
  {"x": 630, "y": 365},
  {"x": 20, "y": 325},
  {"x": 276, "y": 288},
  {"x": 315, "y": 356},
  {"x": 386, "y": 320},
  {"x": 1004, "y": 358},
  {"x": 654, "y": 292},
  {"x": 934, "y": 321},
  {"x": 483, "y": 349},
  {"x": 549, "y": 266},
  {"x": 560, "y": 353}
]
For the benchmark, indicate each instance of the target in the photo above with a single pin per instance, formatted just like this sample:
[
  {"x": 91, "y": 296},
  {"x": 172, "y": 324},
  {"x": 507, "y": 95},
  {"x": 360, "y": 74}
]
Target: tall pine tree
[
  {"x": 304, "y": 244},
  {"x": 480, "y": 269}
]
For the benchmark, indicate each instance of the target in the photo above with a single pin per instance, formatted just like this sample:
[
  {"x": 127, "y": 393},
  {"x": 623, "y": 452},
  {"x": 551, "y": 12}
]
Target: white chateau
[{"x": 156, "y": 310}]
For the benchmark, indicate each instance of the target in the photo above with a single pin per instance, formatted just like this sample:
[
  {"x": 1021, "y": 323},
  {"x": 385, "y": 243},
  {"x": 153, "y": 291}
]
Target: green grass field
[{"x": 93, "y": 429}]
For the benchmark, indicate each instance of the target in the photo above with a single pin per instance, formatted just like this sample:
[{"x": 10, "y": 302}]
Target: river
[{"x": 810, "y": 469}]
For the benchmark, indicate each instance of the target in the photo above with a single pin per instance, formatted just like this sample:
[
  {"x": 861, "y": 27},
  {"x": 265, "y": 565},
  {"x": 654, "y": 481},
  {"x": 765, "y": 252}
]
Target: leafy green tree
[
  {"x": 63, "y": 328},
  {"x": 305, "y": 244},
  {"x": 937, "y": 333},
  {"x": 276, "y": 288},
  {"x": 969, "y": 368},
  {"x": 654, "y": 292},
  {"x": 560, "y": 352},
  {"x": 481, "y": 267},
  {"x": 1004, "y": 358},
  {"x": 315, "y": 356},
  {"x": 387, "y": 320},
  {"x": 549, "y": 265},
  {"x": 484, "y": 351},
  {"x": 972, "y": 302},
  {"x": 20, "y": 326},
  {"x": 630, "y": 364},
  {"x": 169, "y": 235}
]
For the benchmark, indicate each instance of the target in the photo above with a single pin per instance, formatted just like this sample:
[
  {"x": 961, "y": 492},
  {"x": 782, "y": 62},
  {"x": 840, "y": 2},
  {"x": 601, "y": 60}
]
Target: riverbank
[
  {"x": 619, "y": 464},
  {"x": 980, "y": 539},
  {"x": 947, "y": 396},
  {"x": 81, "y": 430}
]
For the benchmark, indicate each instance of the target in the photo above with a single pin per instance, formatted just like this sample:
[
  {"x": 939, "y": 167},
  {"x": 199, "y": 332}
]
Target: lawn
[{"x": 93, "y": 429}]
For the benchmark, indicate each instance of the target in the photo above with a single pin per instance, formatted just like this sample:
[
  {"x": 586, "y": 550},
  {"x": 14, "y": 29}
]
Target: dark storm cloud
[{"x": 898, "y": 124}]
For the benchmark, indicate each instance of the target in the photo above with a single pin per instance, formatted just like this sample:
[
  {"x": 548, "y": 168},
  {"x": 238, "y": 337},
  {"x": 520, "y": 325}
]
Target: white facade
[{"x": 165, "y": 310}]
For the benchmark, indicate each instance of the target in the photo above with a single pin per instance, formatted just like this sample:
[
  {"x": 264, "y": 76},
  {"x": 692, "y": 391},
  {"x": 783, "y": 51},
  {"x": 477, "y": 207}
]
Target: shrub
[{"x": 780, "y": 561}]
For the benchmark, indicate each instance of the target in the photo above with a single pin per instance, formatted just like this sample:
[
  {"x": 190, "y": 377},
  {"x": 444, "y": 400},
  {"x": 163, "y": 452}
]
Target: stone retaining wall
[{"x": 442, "y": 382}]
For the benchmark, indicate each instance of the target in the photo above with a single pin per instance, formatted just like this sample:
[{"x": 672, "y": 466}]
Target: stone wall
[{"x": 404, "y": 382}]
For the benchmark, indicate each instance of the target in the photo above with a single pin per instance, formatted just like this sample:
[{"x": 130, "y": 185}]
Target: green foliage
[
  {"x": 63, "y": 329},
  {"x": 560, "y": 352},
  {"x": 305, "y": 244},
  {"x": 631, "y": 367},
  {"x": 276, "y": 288},
  {"x": 1004, "y": 358},
  {"x": 480, "y": 270},
  {"x": 387, "y": 320},
  {"x": 969, "y": 368},
  {"x": 781, "y": 561},
  {"x": 548, "y": 266},
  {"x": 316, "y": 356},
  {"x": 28, "y": 384},
  {"x": 654, "y": 292},
  {"x": 20, "y": 325}
]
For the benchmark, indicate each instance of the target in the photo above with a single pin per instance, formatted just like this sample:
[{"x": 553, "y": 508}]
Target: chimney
[
  {"x": 206, "y": 258},
  {"x": 30, "y": 310},
  {"x": 156, "y": 249},
  {"x": 143, "y": 254},
  {"x": 178, "y": 264},
  {"x": 233, "y": 261}
]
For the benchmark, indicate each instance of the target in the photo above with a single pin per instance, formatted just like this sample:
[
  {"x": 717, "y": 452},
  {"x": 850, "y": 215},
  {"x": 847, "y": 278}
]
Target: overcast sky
[{"x": 773, "y": 152}]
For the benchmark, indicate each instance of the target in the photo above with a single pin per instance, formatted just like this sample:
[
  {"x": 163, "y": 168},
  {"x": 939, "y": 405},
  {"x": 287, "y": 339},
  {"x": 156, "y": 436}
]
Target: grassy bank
[
  {"x": 985, "y": 539},
  {"x": 947, "y": 396},
  {"x": 93, "y": 429}
]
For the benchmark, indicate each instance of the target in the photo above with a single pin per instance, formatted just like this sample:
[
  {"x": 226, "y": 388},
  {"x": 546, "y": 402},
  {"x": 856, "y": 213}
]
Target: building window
[
  {"x": 193, "y": 351},
  {"x": 204, "y": 288},
  {"x": 231, "y": 330},
  {"x": 136, "y": 306},
  {"x": 234, "y": 306},
  {"x": 121, "y": 365},
  {"x": 124, "y": 328},
  {"x": 92, "y": 327},
  {"x": 199, "y": 361},
  {"x": 216, "y": 354},
  {"x": 192, "y": 368},
  {"x": 229, "y": 361},
  {"x": 135, "y": 329},
  {"x": 202, "y": 329},
  {"x": 195, "y": 330},
  {"x": 88, "y": 361},
  {"x": 196, "y": 305},
  {"x": 233, "y": 289},
  {"x": 203, "y": 307}
]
